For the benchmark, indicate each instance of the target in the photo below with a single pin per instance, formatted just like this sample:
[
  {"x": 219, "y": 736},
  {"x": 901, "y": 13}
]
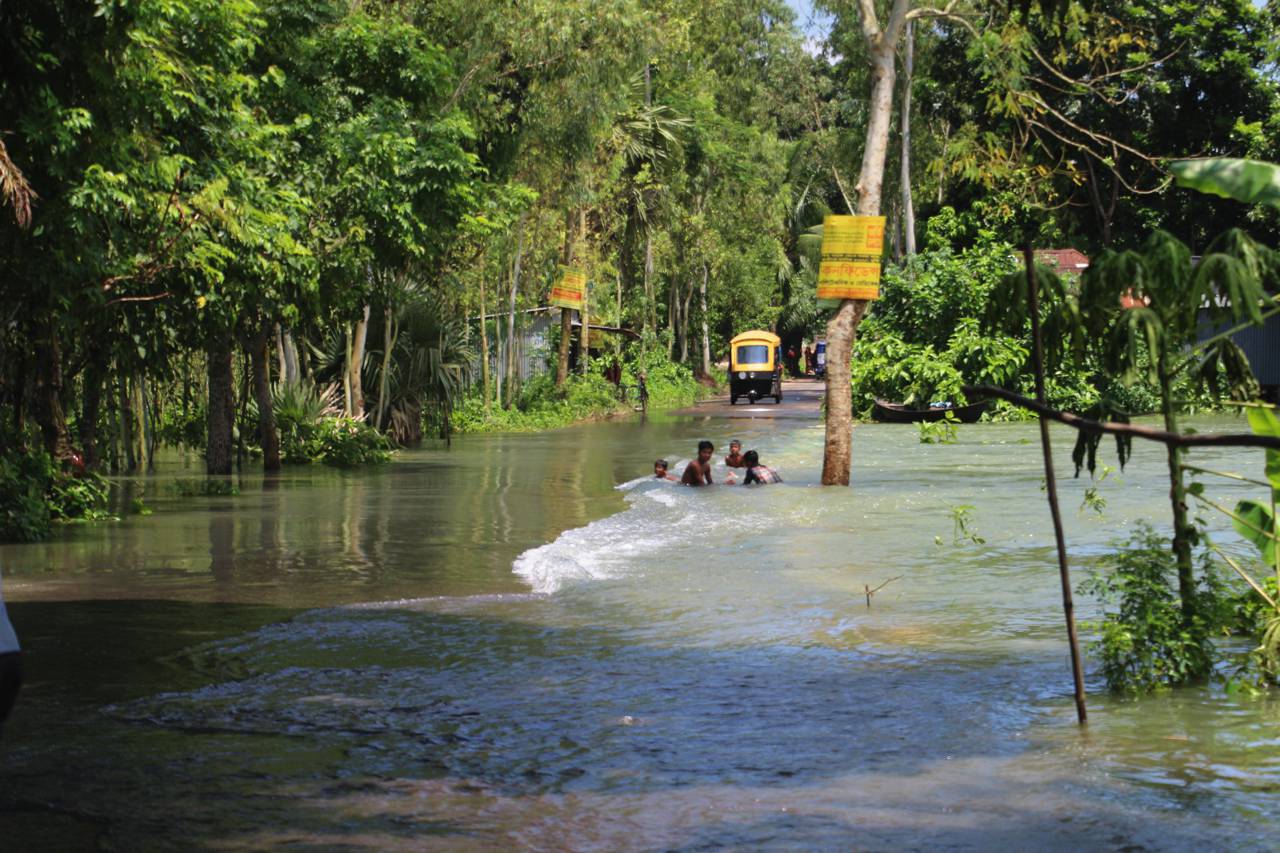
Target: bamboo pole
[{"x": 1051, "y": 488}]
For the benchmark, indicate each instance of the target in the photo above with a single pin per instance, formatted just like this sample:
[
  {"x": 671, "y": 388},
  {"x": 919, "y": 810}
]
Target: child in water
[
  {"x": 757, "y": 473},
  {"x": 660, "y": 467},
  {"x": 698, "y": 471},
  {"x": 734, "y": 459}
]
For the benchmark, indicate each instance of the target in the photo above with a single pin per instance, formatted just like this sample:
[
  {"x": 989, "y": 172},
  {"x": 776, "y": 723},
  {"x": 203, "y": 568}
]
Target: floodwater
[{"x": 516, "y": 644}]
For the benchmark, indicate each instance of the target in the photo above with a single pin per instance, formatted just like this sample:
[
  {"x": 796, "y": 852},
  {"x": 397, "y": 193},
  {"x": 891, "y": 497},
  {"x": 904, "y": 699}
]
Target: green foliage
[
  {"x": 299, "y": 407},
  {"x": 670, "y": 385},
  {"x": 81, "y": 497},
  {"x": 213, "y": 487},
  {"x": 926, "y": 299},
  {"x": 347, "y": 443},
  {"x": 1144, "y": 642},
  {"x": 542, "y": 407},
  {"x": 25, "y": 480},
  {"x": 178, "y": 430},
  {"x": 584, "y": 398},
  {"x": 922, "y": 341},
  {"x": 34, "y": 493},
  {"x": 1249, "y": 181},
  {"x": 312, "y": 429},
  {"x": 945, "y": 431},
  {"x": 962, "y": 526},
  {"x": 1257, "y": 618}
]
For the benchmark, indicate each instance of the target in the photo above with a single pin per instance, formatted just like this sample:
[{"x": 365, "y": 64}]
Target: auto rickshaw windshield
[{"x": 752, "y": 354}]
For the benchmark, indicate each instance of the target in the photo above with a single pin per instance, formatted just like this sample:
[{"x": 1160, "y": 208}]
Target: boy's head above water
[
  {"x": 660, "y": 468},
  {"x": 735, "y": 446},
  {"x": 705, "y": 449}
]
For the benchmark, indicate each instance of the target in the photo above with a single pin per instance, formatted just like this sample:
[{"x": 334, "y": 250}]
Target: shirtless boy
[
  {"x": 698, "y": 471},
  {"x": 734, "y": 459},
  {"x": 660, "y": 471}
]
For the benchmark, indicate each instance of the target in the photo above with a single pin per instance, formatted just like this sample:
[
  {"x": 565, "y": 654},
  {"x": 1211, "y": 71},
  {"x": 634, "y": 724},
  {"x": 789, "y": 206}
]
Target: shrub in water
[
  {"x": 205, "y": 488},
  {"x": 1144, "y": 642},
  {"x": 346, "y": 442},
  {"x": 25, "y": 478}
]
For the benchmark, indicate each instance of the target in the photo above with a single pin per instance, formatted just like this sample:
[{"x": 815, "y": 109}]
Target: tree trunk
[
  {"x": 90, "y": 408},
  {"x": 126, "y": 425},
  {"x": 499, "y": 360},
  {"x": 221, "y": 412},
  {"x": 347, "y": 408},
  {"x": 908, "y": 207},
  {"x": 388, "y": 345},
  {"x": 140, "y": 423},
  {"x": 584, "y": 345},
  {"x": 706, "y": 329},
  {"x": 513, "y": 366},
  {"x": 650, "y": 303},
  {"x": 1183, "y": 533},
  {"x": 484, "y": 354},
  {"x": 844, "y": 323},
  {"x": 277, "y": 337},
  {"x": 684, "y": 326},
  {"x": 562, "y": 357},
  {"x": 139, "y": 408},
  {"x": 566, "y": 314},
  {"x": 259, "y": 354},
  {"x": 291, "y": 373},
  {"x": 48, "y": 398},
  {"x": 357, "y": 360}
]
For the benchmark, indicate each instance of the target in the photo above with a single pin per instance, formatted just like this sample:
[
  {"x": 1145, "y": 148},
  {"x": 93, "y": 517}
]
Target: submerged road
[{"x": 801, "y": 398}]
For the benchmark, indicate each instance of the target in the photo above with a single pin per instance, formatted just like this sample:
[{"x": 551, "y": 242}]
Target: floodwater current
[{"x": 523, "y": 643}]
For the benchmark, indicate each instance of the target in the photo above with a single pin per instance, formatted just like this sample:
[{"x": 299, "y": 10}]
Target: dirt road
[{"x": 801, "y": 398}]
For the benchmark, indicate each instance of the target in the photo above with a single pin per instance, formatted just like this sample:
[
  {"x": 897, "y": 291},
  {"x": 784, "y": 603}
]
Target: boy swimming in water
[
  {"x": 734, "y": 459},
  {"x": 660, "y": 471},
  {"x": 698, "y": 471}
]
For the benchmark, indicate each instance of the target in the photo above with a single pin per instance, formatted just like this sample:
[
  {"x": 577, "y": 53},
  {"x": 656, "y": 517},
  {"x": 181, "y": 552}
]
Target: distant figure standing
[
  {"x": 793, "y": 361},
  {"x": 808, "y": 360},
  {"x": 757, "y": 473},
  {"x": 10, "y": 664}
]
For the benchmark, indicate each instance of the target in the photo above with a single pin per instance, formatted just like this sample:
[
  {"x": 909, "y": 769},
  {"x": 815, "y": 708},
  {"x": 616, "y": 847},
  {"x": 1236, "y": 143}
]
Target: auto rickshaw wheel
[
  {"x": 777, "y": 399},
  {"x": 733, "y": 399}
]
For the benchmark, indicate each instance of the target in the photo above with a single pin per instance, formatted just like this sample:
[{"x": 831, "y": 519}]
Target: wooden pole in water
[{"x": 1051, "y": 486}]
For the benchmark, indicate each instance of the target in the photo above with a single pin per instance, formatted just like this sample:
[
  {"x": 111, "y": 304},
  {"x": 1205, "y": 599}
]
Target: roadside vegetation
[{"x": 311, "y": 231}]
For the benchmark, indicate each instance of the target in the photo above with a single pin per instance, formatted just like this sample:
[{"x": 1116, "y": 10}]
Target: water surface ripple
[{"x": 499, "y": 647}]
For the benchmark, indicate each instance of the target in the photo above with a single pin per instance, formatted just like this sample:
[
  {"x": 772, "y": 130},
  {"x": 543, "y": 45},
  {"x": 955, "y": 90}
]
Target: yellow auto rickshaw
[{"x": 755, "y": 366}]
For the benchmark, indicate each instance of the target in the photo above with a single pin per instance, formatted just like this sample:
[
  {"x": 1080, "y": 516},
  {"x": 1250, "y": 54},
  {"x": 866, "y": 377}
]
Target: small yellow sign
[
  {"x": 569, "y": 290},
  {"x": 851, "y": 249}
]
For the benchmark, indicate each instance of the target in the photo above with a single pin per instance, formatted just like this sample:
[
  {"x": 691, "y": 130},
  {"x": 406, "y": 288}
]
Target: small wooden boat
[{"x": 897, "y": 413}]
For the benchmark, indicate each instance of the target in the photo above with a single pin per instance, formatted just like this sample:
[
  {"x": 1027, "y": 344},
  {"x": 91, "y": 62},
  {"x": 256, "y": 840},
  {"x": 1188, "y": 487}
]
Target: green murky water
[{"x": 498, "y": 647}]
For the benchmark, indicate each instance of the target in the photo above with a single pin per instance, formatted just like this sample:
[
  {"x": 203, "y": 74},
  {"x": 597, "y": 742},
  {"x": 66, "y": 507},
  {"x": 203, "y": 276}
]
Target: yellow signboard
[
  {"x": 569, "y": 290},
  {"x": 851, "y": 249}
]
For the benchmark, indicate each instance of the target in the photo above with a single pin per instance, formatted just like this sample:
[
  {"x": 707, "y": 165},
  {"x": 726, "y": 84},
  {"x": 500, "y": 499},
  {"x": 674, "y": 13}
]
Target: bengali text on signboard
[
  {"x": 851, "y": 249},
  {"x": 569, "y": 290}
]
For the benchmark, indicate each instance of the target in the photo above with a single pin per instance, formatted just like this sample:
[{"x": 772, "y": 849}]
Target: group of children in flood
[{"x": 698, "y": 471}]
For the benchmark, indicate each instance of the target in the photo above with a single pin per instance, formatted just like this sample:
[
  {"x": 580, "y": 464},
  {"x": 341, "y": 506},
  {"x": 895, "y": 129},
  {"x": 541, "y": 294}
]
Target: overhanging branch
[{"x": 1172, "y": 439}]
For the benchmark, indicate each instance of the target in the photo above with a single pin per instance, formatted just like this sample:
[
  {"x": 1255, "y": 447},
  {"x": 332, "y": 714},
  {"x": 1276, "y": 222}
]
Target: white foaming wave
[{"x": 609, "y": 548}]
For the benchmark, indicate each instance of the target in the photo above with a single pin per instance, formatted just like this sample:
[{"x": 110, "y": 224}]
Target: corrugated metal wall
[{"x": 1261, "y": 344}]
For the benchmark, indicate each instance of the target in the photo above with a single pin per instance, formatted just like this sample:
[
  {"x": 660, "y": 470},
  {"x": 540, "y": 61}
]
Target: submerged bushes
[
  {"x": 34, "y": 493},
  {"x": 541, "y": 407},
  {"x": 1146, "y": 642},
  {"x": 583, "y": 398}
]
